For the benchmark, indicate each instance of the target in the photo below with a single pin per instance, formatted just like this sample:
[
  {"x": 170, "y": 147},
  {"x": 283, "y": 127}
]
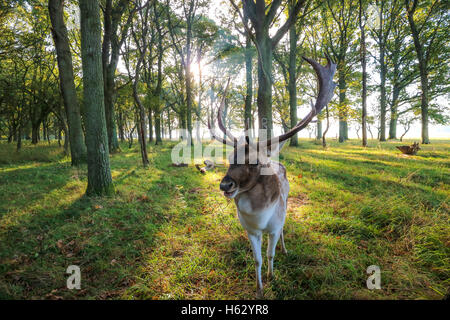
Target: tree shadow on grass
[
  {"x": 22, "y": 187},
  {"x": 357, "y": 181},
  {"x": 109, "y": 238}
]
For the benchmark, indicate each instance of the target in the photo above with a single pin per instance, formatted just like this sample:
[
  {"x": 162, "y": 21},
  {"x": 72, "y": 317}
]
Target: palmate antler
[{"x": 326, "y": 89}]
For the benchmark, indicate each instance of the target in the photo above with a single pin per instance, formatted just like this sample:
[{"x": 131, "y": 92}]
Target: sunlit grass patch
[{"x": 168, "y": 233}]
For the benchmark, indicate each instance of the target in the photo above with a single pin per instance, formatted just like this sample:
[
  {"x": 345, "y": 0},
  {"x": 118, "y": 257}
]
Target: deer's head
[{"x": 249, "y": 160}]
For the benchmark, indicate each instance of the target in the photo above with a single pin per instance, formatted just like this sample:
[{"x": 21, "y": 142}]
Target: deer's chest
[{"x": 255, "y": 219}]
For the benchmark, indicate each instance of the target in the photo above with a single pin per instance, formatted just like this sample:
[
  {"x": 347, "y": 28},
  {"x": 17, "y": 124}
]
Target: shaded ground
[{"x": 170, "y": 234}]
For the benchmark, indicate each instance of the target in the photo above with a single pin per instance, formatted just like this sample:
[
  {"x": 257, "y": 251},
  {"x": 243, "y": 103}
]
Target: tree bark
[
  {"x": 319, "y": 129},
  {"x": 248, "y": 81},
  {"x": 382, "y": 93},
  {"x": 150, "y": 125},
  {"x": 292, "y": 77},
  {"x": 99, "y": 173},
  {"x": 19, "y": 138},
  {"x": 110, "y": 56},
  {"x": 67, "y": 84},
  {"x": 364, "y": 77},
  {"x": 264, "y": 98},
  {"x": 158, "y": 89},
  {"x": 423, "y": 68},
  {"x": 394, "y": 113},
  {"x": 342, "y": 113},
  {"x": 35, "y": 128}
]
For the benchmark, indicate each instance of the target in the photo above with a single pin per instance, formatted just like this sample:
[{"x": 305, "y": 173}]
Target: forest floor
[{"x": 169, "y": 233}]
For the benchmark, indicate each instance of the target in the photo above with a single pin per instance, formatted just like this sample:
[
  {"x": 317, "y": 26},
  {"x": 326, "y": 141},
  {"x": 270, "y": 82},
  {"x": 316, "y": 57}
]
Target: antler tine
[
  {"x": 326, "y": 89},
  {"x": 222, "y": 127},
  {"x": 217, "y": 137},
  {"x": 226, "y": 140}
]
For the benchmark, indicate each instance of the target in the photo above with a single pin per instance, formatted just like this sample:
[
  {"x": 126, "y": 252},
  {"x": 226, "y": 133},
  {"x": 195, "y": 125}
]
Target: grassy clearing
[{"x": 168, "y": 233}]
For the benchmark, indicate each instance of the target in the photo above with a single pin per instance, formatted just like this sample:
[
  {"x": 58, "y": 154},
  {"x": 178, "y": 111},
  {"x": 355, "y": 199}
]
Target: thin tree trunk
[
  {"x": 110, "y": 56},
  {"x": 324, "y": 142},
  {"x": 19, "y": 138},
  {"x": 382, "y": 94},
  {"x": 248, "y": 81},
  {"x": 67, "y": 84},
  {"x": 394, "y": 114},
  {"x": 423, "y": 68},
  {"x": 342, "y": 113},
  {"x": 292, "y": 77},
  {"x": 364, "y": 77},
  {"x": 158, "y": 89},
  {"x": 168, "y": 124},
  {"x": 319, "y": 129},
  {"x": 150, "y": 126}
]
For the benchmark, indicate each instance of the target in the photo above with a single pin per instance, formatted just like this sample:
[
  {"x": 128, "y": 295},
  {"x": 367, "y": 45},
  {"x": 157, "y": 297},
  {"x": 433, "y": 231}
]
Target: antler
[
  {"x": 229, "y": 138},
  {"x": 326, "y": 88}
]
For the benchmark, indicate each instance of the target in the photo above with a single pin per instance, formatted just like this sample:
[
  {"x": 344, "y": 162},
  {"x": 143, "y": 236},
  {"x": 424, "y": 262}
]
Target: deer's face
[{"x": 243, "y": 172}]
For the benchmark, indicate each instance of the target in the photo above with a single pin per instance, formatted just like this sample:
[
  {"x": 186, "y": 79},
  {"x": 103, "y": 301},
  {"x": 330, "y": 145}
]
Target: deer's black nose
[{"x": 227, "y": 184}]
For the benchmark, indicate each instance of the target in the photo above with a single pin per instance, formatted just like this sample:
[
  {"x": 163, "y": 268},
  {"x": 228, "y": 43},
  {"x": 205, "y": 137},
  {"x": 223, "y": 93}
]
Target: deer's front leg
[
  {"x": 272, "y": 244},
  {"x": 255, "y": 240}
]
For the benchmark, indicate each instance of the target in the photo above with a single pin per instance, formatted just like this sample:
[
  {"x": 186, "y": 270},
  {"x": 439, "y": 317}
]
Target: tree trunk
[
  {"x": 67, "y": 84},
  {"x": 292, "y": 77},
  {"x": 424, "y": 103},
  {"x": 110, "y": 52},
  {"x": 158, "y": 89},
  {"x": 99, "y": 173},
  {"x": 121, "y": 129},
  {"x": 382, "y": 94},
  {"x": 423, "y": 74},
  {"x": 342, "y": 114},
  {"x": 66, "y": 141},
  {"x": 188, "y": 79},
  {"x": 264, "y": 99},
  {"x": 364, "y": 77},
  {"x": 319, "y": 129},
  {"x": 394, "y": 113},
  {"x": 324, "y": 141},
  {"x": 158, "y": 139},
  {"x": 113, "y": 142},
  {"x": 168, "y": 124},
  {"x": 150, "y": 126},
  {"x": 141, "y": 134},
  {"x": 19, "y": 138},
  {"x": 393, "y": 127},
  {"x": 248, "y": 81},
  {"x": 35, "y": 128}
]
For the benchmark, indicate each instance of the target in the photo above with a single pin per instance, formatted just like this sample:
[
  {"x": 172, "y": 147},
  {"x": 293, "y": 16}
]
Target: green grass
[{"x": 168, "y": 233}]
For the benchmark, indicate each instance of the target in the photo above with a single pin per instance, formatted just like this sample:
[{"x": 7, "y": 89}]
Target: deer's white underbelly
[{"x": 265, "y": 220}]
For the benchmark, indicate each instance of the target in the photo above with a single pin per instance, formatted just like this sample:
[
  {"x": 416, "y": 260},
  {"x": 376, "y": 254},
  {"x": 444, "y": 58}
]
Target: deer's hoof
[{"x": 259, "y": 293}]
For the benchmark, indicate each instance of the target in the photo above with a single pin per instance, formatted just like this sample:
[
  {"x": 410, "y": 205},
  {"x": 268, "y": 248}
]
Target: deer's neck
[{"x": 261, "y": 196}]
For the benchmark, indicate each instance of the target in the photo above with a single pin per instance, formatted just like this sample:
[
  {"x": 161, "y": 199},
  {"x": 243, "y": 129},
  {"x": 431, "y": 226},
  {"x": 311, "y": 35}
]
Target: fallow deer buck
[{"x": 258, "y": 185}]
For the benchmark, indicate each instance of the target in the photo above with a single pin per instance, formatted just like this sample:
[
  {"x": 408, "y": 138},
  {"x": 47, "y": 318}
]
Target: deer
[{"x": 259, "y": 185}]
